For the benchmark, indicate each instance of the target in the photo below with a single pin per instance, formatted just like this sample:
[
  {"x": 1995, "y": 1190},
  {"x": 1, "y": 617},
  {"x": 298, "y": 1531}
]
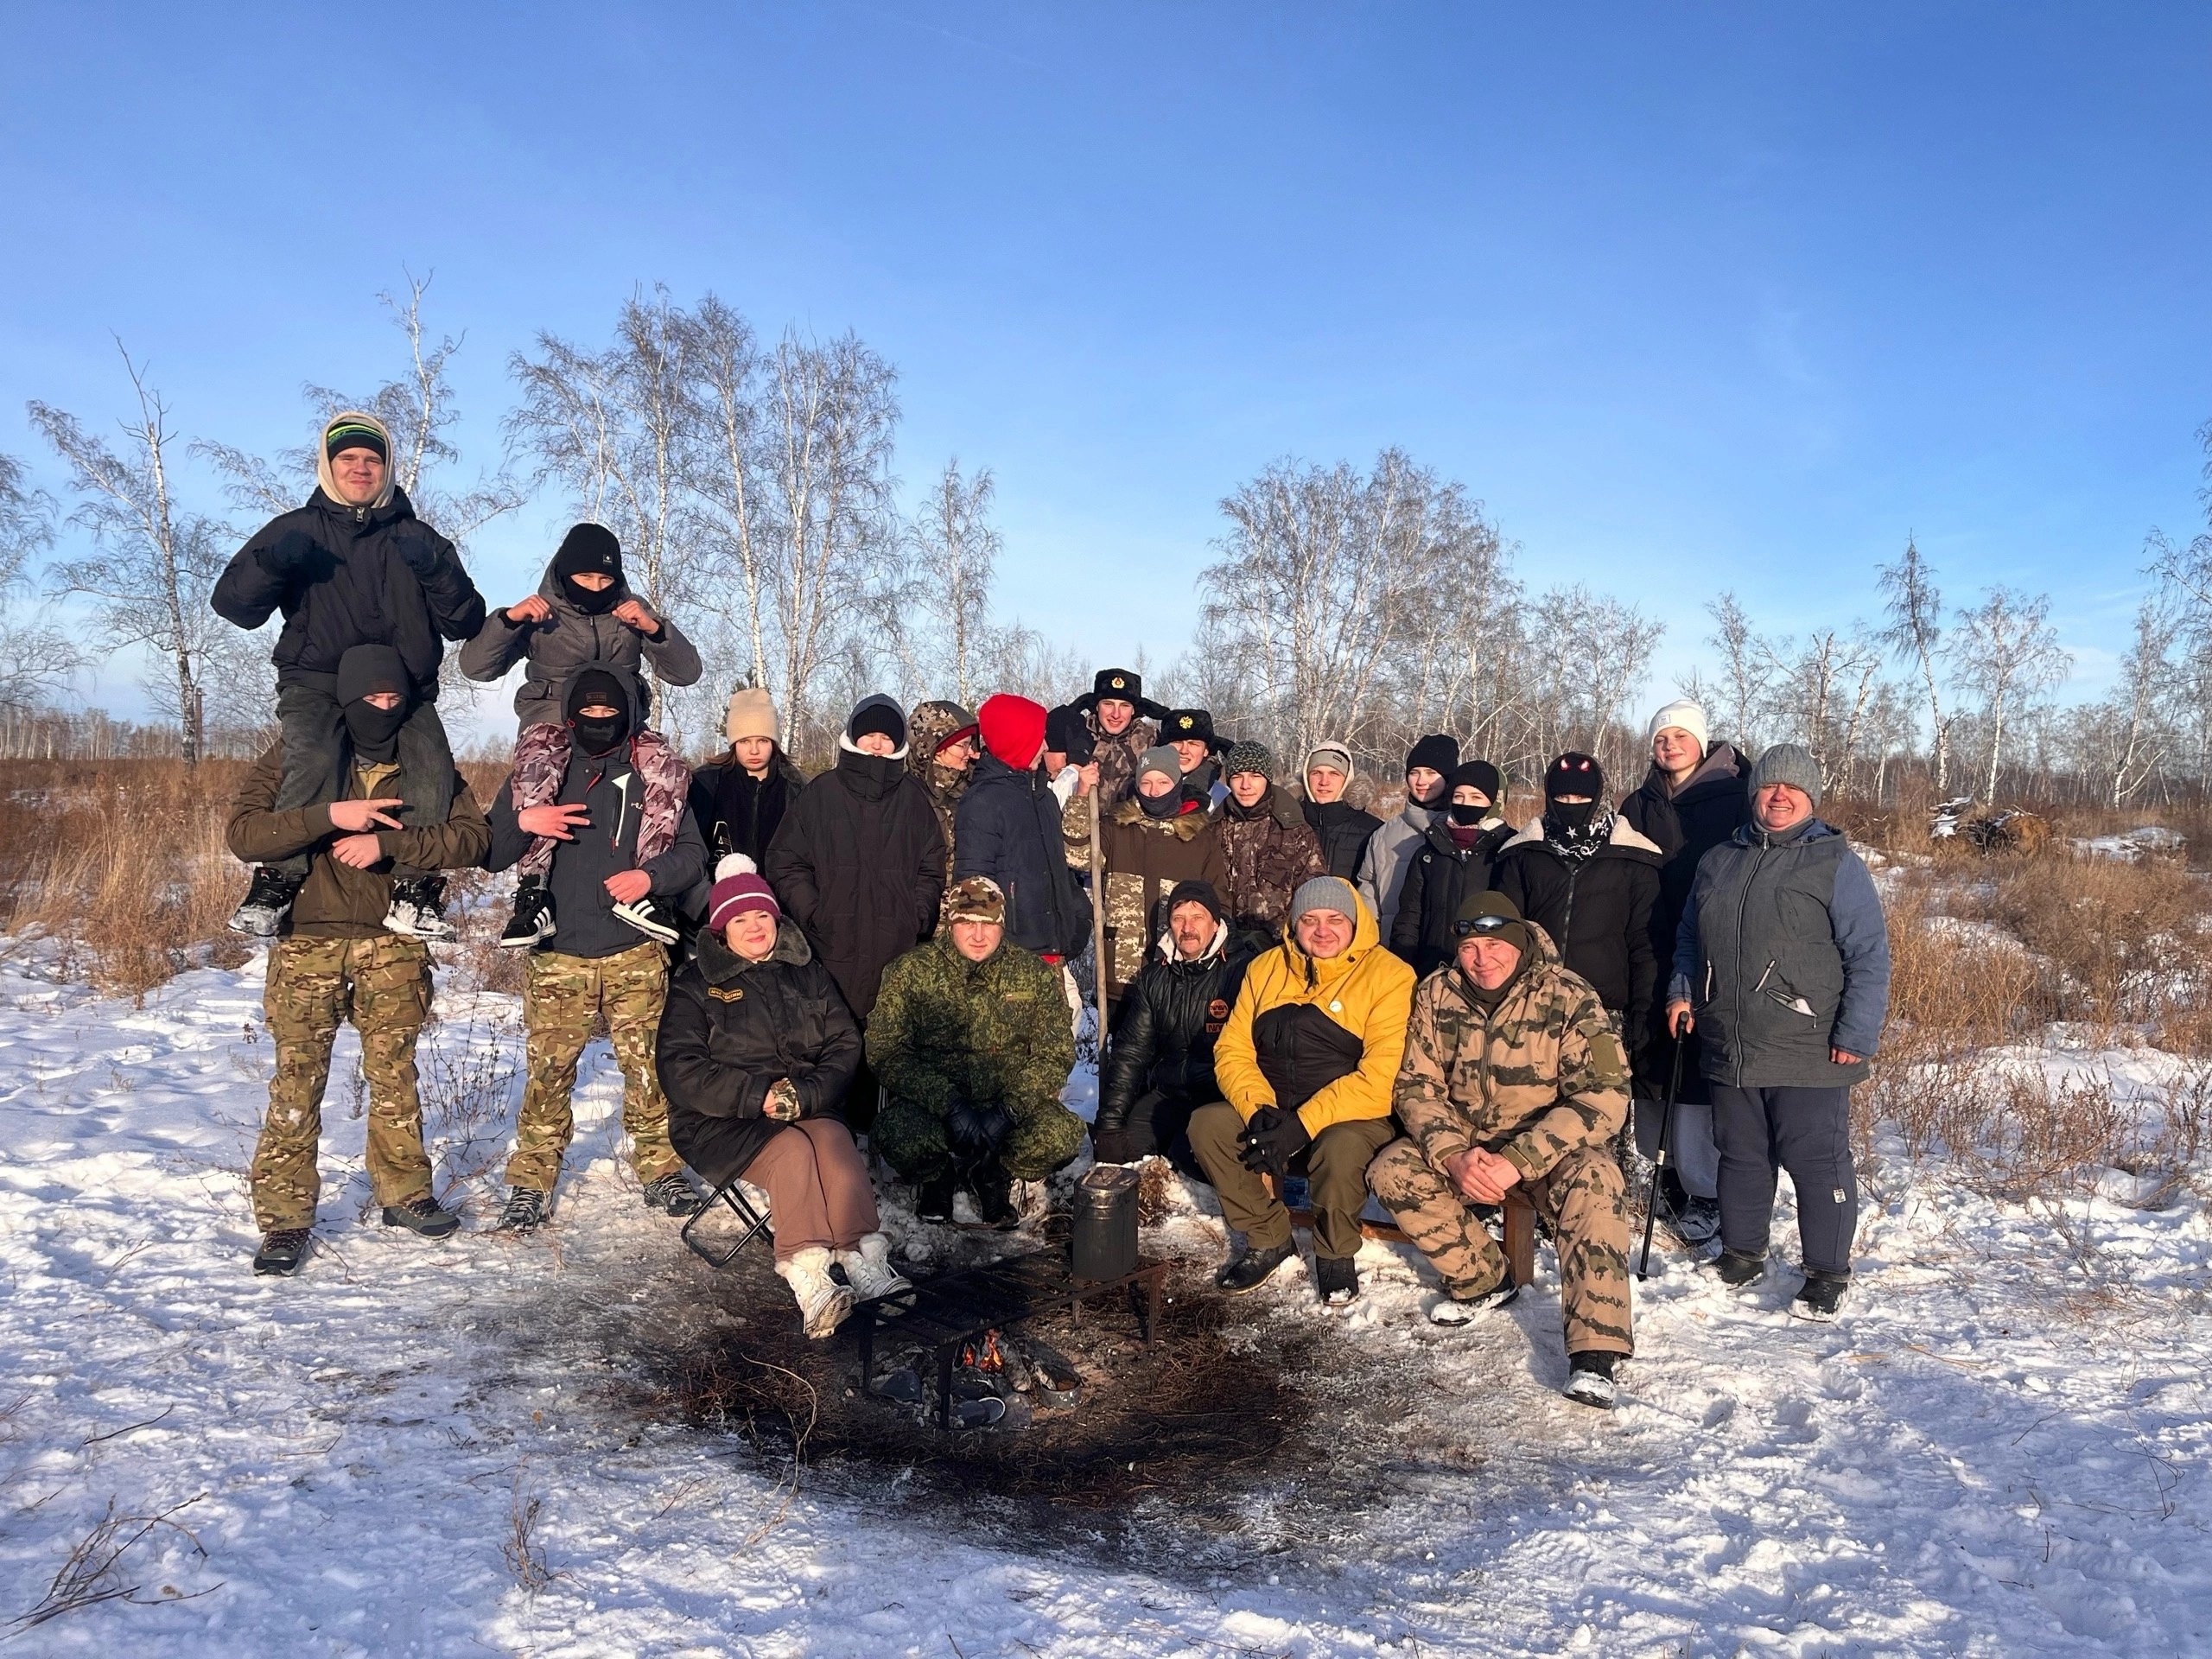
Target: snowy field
[{"x": 2000, "y": 1450}]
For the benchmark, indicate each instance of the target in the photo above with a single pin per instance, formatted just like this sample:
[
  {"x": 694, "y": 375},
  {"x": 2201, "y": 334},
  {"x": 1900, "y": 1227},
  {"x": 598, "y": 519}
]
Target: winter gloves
[
  {"x": 1271, "y": 1139},
  {"x": 975, "y": 1128}
]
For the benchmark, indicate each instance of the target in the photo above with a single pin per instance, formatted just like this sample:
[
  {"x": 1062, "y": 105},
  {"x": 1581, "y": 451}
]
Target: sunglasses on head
[{"x": 1481, "y": 924}]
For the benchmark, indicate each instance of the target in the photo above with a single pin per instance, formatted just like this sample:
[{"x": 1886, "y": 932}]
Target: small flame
[{"x": 988, "y": 1358}]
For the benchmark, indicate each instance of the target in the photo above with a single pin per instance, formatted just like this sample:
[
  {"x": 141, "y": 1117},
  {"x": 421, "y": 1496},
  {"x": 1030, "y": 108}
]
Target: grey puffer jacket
[
  {"x": 1382, "y": 869},
  {"x": 567, "y": 640},
  {"x": 1783, "y": 953}
]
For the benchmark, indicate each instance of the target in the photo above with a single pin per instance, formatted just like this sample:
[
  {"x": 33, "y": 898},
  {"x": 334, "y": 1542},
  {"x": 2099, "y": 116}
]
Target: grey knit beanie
[
  {"x": 1789, "y": 763},
  {"x": 1247, "y": 757},
  {"x": 1162, "y": 759},
  {"x": 1323, "y": 893},
  {"x": 1331, "y": 753}
]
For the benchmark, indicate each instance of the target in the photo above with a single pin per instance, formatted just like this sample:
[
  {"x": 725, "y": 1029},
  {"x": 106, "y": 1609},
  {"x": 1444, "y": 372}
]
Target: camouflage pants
[
  {"x": 1582, "y": 1200},
  {"x": 559, "y": 998},
  {"x": 910, "y": 1138},
  {"x": 385, "y": 984}
]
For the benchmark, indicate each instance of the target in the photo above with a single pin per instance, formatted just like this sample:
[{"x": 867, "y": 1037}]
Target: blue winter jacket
[{"x": 1783, "y": 953}]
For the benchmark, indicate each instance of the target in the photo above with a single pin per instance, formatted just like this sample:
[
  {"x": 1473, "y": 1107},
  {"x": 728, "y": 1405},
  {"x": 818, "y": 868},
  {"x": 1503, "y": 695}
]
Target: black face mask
[
  {"x": 1161, "y": 806},
  {"x": 590, "y": 603},
  {"x": 598, "y": 736},
  {"x": 374, "y": 732},
  {"x": 1465, "y": 812},
  {"x": 1570, "y": 814}
]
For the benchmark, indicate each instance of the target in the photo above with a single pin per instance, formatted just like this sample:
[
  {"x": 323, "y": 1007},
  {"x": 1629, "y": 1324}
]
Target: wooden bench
[{"x": 1520, "y": 1229}]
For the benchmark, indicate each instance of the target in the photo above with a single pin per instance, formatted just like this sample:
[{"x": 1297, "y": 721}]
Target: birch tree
[
  {"x": 958, "y": 551},
  {"x": 1915, "y": 636},
  {"x": 36, "y": 658},
  {"x": 2007, "y": 654}
]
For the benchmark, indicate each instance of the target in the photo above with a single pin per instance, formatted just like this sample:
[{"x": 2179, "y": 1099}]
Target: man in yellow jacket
[{"x": 1306, "y": 1062}]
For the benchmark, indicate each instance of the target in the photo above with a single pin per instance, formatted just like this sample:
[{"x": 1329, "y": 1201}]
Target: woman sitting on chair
[{"x": 757, "y": 1053}]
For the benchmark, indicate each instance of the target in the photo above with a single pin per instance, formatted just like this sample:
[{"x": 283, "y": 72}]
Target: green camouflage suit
[
  {"x": 947, "y": 1029},
  {"x": 1543, "y": 1082},
  {"x": 313, "y": 983},
  {"x": 559, "y": 998}
]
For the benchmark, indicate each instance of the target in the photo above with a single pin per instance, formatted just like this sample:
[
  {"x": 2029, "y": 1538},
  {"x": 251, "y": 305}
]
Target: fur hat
[
  {"x": 1067, "y": 733},
  {"x": 1685, "y": 714},
  {"x": 975, "y": 899},
  {"x": 751, "y": 713},
  {"x": 1789, "y": 763},
  {"x": 1190, "y": 726}
]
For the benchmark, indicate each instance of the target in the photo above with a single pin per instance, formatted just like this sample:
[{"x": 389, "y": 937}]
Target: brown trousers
[
  {"x": 818, "y": 1191},
  {"x": 1336, "y": 1178}
]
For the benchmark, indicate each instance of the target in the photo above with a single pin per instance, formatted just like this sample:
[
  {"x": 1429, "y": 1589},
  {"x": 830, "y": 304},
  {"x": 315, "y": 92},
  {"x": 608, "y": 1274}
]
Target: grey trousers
[{"x": 1694, "y": 1147}]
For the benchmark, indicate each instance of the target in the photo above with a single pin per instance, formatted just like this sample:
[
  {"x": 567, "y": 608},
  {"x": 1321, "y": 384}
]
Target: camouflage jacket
[
  {"x": 1542, "y": 1075},
  {"x": 1269, "y": 856},
  {"x": 947, "y": 1029},
  {"x": 1117, "y": 757},
  {"x": 927, "y": 726},
  {"x": 1146, "y": 857}
]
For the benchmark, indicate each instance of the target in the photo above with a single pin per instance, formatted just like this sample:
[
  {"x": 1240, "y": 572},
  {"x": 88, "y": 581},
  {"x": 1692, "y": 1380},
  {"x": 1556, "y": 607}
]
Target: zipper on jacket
[{"x": 1743, "y": 904}]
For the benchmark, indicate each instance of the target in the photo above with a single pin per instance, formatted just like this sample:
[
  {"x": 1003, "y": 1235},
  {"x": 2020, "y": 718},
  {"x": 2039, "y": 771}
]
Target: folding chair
[{"x": 751, "y": 1223}]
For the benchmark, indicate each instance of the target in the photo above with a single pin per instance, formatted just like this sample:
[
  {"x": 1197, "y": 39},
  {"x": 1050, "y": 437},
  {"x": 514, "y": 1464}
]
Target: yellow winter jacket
[{"x": 1366, "y": 990}]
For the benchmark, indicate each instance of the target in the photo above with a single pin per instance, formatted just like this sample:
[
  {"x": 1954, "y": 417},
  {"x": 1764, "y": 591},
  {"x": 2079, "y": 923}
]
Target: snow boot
[
  {"x": 418, "y": 909},
  {"x": 532, "y": 922},
  {"x": 1249, "y": 1268},
  {"x": 1738, "y": 1270},
  {"x": 1822, "y": 1296},
  {"x": 673, "y": 1194},
  {"x": 933, "y": 1199},
  {"x": 1452, "y": 1308},
  {"x": 823, "y": 1302},
  {"x": 651, "y": 917},
  {"x": 424, "y": 1215},
  {"x": 868, "y": 1271},
  {"x": 1590, "y": 1380},
  {"x": 527, "y": 1210},
  {"x": 994, "y": 1193},
  {"x": 281, "y": 1251},
  {"x": 268, "y": 898},
  {"x": 1336, "y": 1280}
]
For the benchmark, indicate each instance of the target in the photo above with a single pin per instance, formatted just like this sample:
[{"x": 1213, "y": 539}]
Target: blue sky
[{"x": 1693, "y": 297}]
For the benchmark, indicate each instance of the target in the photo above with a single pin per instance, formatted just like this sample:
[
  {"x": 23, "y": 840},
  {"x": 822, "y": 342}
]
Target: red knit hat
[
  {"x": 1013, "y": 728},
  {"x": 738, "y": 888}
]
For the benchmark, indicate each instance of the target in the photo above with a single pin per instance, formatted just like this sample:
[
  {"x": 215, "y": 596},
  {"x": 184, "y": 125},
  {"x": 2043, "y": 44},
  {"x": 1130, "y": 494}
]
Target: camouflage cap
[{"x": 975, "y": 899}]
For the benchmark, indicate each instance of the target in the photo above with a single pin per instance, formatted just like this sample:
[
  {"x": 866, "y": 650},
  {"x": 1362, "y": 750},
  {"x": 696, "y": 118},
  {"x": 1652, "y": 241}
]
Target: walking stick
[
  {"x": 1098, "y": 925},
  {"x": 1659, "y": 1164}
]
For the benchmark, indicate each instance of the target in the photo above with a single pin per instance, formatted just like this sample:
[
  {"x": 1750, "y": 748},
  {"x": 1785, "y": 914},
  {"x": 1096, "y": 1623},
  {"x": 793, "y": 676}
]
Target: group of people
[{"x": 1438, "y": 1010}]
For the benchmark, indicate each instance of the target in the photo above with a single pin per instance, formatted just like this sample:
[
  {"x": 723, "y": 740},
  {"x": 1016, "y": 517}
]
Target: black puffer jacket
[
  {"x": 1685, "y": 825},
  {"x": 859, "y": 862},
  {"x": 1598, "y": 913},
  {"x": 1342, "y": 829},
  {"x": 731, "y": 1028},
  {"x": 346, "y": 576},
  {"x": 1170, "y": 1013},
  {"x": 739, "y": 813},
  {"x": 1438, "y": 876},
  {"x": 1009, "y": 828}
]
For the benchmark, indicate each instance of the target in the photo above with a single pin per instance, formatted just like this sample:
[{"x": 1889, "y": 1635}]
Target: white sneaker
[
  {"x": 868, "y": 1271},
  {"x": 823, "y": 1302}
]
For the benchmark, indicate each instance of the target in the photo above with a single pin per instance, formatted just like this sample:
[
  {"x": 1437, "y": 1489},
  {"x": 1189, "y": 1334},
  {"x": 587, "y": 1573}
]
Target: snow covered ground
[{"x": 2000, "y": 1450}]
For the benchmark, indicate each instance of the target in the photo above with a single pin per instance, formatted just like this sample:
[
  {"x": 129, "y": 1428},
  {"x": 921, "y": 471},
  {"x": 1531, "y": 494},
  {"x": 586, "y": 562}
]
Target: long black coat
[
  {"x": 859, "y": 862},
  {"x": 346, "y": 576},
  {"x": 739, "y": 813},
  {"x": 1685, "y": 827},
  {"x": 1171, "y": 1012},
  {"x": 1438, "y": 877},
  {"x": 730, "y": 1029},
  {"x": 1341, "y": 829},
  {"x": 1007, "y": 827},
  {"x": 1598, "y": 913}
]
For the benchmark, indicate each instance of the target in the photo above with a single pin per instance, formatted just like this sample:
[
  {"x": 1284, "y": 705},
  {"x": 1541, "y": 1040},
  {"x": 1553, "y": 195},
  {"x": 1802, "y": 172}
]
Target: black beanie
[
  {"x": 1574, "y": 773},
  {"x": 589, "y": 550},
  {"x": 1438, "y": 752},
  {"x": 341, "y": 436},
  {"x": 366, "y": 669},
  {"x": 596, "y": 685},
  {"x": 1196, "y": 893},
  {"x": 1480, "y": 774},
  {"x": 1067, "y": 733},
  {"x": 878, "y": 714}
]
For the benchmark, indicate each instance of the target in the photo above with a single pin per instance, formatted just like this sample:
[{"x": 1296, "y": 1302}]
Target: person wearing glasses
[
  {"x": 942, "y": 744},
  {"x": 1514, "y": 1076}
]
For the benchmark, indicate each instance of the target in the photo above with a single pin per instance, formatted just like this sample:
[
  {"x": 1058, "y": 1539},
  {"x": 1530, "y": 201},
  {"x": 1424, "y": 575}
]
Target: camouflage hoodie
[
  {"x": 926, "y": 727},
  {"x": 1540, "y": 1076}
]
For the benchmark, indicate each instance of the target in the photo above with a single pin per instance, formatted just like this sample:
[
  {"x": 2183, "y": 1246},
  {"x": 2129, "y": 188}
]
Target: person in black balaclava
[
  {"x": 598, "y": 711},
  {"x": 376, "y": 698},
  {"x": 588, "y": 567}
]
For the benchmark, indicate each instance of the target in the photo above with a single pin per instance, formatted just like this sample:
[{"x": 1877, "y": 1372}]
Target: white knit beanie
[{"x": 1685, "y": 714}]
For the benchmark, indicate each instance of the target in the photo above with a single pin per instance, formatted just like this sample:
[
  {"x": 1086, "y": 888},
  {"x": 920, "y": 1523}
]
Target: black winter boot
[
  {"x": 1822, "y": 1298},
  {"x": 1249, "y": 1268},
  {"x": 281, "y": 1251},
  {"x": 526, "y": 1210},
  {"x": 994, "y": 1192},
  {"x": 424, "y": 1215},
  {"x": 1738, "y": 1270},
  {"x": 1590, "y": 1380},
  {"x": 1336, "y": 1280},
  {"x": 933, "y": 1199},
  {"x": 268, "y": 897}
]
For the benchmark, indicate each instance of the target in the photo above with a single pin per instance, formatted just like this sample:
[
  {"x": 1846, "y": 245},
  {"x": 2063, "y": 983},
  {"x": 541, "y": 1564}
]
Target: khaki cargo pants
[
  {"x": 1582, "y": 1200},
  {"x": 313, "y": 984},
  {"x": 560, "y": 996}
]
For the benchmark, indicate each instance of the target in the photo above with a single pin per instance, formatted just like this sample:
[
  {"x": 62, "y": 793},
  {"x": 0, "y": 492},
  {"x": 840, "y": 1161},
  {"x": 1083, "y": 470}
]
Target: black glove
[
  {"x": 420, "y": 554},
  {"x": 1271, "y": 1140},
  {"x": 976, "y": 1127},
  {"x": 289, "y": 554},
  {"x": 1115, "y": 1143}
]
